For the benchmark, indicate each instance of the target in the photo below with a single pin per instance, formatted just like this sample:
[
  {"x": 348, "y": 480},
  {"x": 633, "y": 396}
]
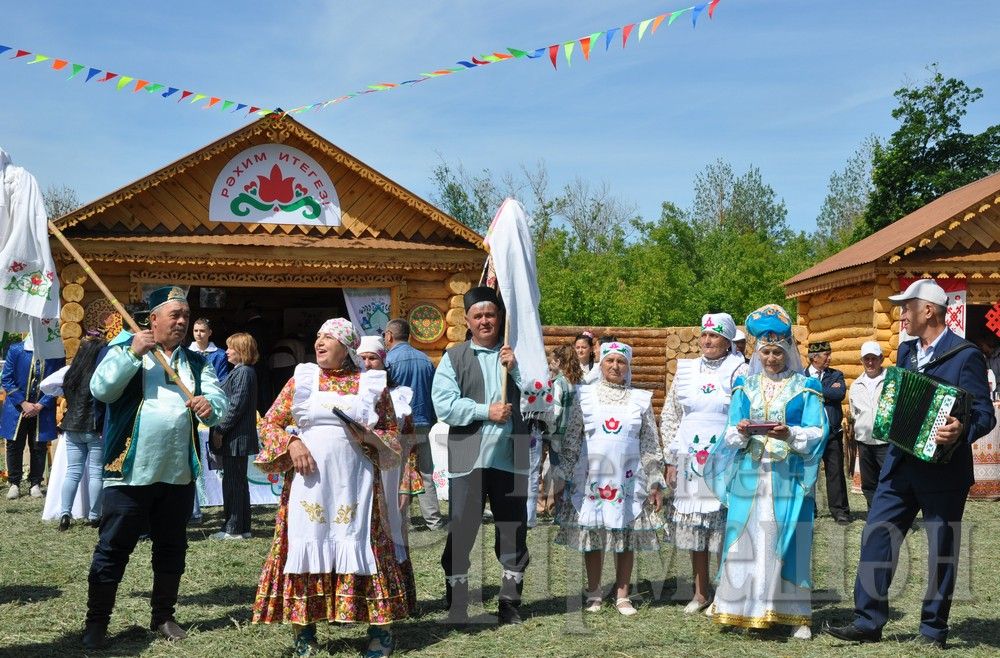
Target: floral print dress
[{"x": 380, "y": 598}]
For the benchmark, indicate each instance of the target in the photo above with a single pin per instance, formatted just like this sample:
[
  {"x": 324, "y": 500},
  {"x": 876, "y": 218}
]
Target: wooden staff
[
  {"x": 503, "y": 369},
  {"x": 156, "y": 353}
]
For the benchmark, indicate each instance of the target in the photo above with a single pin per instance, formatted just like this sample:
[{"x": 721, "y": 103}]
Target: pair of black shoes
[
  {"x": 95, "y": 634},
  {"x": 852, "y": 633},
  {"x": 66, "y": 520}
]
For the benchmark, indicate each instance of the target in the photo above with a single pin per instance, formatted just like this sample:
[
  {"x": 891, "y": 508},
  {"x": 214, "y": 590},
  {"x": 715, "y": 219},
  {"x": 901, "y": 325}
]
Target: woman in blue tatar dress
[{"x": 765, "y": 473}]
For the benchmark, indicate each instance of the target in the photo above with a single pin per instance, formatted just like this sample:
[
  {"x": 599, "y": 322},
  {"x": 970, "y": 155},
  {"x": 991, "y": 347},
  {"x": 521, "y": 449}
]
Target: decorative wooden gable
[{"x": 174, "y": 201}]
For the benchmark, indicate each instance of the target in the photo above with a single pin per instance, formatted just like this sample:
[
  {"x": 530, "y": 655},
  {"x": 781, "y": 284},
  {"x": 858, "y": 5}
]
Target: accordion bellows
[{"x": 911, "y": 409}]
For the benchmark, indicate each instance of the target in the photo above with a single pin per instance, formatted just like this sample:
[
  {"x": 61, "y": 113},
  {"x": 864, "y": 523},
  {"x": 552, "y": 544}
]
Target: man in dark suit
[
  {"x": 834, "y": 390},
  {"x": 908, "y": 485}
]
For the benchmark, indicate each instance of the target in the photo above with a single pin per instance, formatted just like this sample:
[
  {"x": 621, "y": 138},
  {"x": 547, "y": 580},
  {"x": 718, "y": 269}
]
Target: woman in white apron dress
[
  {"x": 613, "y": 468},
  {"x": 402, "y": 482},
  {"x": 334, "y": 557},
  {"x": 693, "y": 420}
]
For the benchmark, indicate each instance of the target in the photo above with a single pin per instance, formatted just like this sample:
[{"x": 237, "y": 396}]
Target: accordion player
[{"x": 911, "y": 409}]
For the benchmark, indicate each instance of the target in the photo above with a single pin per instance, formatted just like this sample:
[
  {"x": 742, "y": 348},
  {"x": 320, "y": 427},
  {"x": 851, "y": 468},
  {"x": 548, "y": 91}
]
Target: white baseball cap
[
  {"x": 925, "y": 289},
  {"x": 871, "y": 347},
  {"x": 739, "y": 336}
]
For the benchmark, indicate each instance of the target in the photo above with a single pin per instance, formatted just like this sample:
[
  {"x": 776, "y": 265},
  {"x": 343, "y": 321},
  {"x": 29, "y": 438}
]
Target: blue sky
[{"x": 791, "y": 87}]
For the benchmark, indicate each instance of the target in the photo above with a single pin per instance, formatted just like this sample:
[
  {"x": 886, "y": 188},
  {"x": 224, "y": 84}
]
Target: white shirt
[
  {"x": 924, "y": 355},
  {"x": 864, "y": 395}
]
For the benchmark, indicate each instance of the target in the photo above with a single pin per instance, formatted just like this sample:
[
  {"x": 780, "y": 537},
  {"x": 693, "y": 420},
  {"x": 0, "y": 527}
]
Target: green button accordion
[{"x": 911, "y": 409}]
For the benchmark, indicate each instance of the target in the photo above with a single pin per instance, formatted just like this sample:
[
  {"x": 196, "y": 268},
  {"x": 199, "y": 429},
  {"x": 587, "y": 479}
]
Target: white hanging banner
[
  {"x": 369, "y": 309},
  {"x": 274, "y": 184}
]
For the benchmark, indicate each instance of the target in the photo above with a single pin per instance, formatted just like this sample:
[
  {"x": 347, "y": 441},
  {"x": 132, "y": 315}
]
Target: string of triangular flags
[{"x": 586, "y": 44}]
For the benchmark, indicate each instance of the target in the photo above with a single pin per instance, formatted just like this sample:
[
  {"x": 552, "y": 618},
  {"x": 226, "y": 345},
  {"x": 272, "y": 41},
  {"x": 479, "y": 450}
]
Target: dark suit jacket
[
  {"x": 239, "y": 426},
  {"x": 967, "y": 369},
  {"x": 834, "y": 391}
]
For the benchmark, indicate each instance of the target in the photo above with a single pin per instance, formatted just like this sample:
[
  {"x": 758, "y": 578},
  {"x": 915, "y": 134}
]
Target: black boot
[
  {"x": 100, "y": 603},
  {"x": 457, "y": 599},
  {"x": 510, "y": 599},
  {"x": 163, "y": 600}
]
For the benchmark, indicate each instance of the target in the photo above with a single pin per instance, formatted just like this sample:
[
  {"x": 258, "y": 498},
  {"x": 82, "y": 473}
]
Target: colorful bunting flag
[{"x": 586, "y": 46}]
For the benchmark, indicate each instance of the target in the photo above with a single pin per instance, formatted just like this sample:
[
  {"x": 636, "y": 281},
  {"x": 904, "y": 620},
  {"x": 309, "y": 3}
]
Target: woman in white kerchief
[
  {"x": 613, "y": 466},
  {"x": 693, "y": 420}
]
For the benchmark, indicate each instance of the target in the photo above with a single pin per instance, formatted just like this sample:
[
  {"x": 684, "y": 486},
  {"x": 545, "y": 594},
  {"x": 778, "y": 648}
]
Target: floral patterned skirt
[{"x": 381, "y": 598}]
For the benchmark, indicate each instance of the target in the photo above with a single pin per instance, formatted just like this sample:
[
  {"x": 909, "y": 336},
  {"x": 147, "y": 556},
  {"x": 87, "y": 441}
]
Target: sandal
[
  {"x": 380, "y": 642},
  {"x": 594, "y": 601},
  {"x": 625, "y": 607}
]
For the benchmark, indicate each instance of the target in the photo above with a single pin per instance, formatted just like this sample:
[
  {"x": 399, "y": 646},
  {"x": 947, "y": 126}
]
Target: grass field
[{"x": 43, "y": 593}]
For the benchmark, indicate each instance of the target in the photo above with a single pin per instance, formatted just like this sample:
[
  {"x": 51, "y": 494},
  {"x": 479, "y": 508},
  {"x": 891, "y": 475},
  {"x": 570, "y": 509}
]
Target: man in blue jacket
[
  {"x": 834, "y": 391},
  {"x": 908, "y": 485},
  {"x": 28, "y": 416}
]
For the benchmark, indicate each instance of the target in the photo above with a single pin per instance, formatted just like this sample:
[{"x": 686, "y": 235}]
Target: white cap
[
  {"x": 925, "y": 289},
  {"x": 739, "y": 336},
  {"x": 871, "y": 347}
]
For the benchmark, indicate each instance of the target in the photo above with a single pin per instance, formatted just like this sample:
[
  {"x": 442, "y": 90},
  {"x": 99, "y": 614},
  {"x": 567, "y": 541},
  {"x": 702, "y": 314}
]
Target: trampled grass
[{"x": 43, "y": 595}]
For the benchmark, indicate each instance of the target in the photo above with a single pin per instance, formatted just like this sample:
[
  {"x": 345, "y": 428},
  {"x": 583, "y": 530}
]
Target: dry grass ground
[{"x": 43, "y": 593}]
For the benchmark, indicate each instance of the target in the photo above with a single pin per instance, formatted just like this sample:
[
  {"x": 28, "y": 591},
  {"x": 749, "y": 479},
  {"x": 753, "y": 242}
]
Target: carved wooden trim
[{"x": 269, "y": 280}]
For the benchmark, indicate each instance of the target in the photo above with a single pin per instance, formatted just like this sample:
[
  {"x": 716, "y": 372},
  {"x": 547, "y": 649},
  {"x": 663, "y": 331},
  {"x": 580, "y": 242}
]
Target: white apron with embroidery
[
  {"x": 391, "y": 477},
  {"x": 330, "y": 511},
  {"x": 705, "y": 398},
  {"x": 610, "y": 484}
]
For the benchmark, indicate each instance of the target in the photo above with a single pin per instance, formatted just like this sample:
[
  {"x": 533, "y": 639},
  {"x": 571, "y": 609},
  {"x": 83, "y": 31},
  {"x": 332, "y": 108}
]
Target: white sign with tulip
[{"x": 274, "y": 184}]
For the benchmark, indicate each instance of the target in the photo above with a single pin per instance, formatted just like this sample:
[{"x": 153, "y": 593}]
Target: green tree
[
  {"x": 846, "y": 200},
  {"x": 743, "y": 204},
  {"x": 929, "y": 154}
]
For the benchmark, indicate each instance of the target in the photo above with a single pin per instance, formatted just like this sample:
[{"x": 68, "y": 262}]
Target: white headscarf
[{"x": 721, "y": 324}]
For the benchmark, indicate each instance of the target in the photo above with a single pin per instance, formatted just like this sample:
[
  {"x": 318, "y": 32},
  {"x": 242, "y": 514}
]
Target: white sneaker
[
  {"x": 226, "y": 536},
  {"x": 625, "y": 607},
  {"x": 709, "y": 610},
  {"x": 13, "y": 493},
  {"x": 36, "y": 491},
  {"x": 694, "y": 605},
  {"x": 594, "y": 601},
  {"x": 802, "y": 633}
]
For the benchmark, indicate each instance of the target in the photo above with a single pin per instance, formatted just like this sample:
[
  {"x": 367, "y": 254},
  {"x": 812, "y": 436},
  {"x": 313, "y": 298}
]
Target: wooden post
[{"x": 156, "y": 353}]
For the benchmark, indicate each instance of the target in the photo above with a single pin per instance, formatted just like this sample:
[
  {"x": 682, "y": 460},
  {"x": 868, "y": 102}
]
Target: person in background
[
  {"x": 28, "y": 416},
  {"x": 863, "y": 402},
  {"x": 150, "y": 460},
  {"x": 834, "y": 392},
  {"x": 584, "y": 345},
  {"x": 412, "y": 368},
  {"x": 201, "y": 331},
  {"x": 612, "y": 464},
  {"x": 566, "y": 373},
  {"x": 693, "y": 420},
  {"x": 740, "y": 343},
  {"x": 82, "y": 423},
  {"x": 764, "y": 472},
  {"x": 990, "y": 346},
  {"x": 257, "y": 326},
  {"x": 235, "y": 437},
  {"x": 286, "y": 353}
]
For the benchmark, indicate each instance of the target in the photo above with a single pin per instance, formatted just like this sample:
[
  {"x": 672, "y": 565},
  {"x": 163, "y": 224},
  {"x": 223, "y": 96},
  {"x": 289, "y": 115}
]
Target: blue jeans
[{"x": 83, "y": 447}]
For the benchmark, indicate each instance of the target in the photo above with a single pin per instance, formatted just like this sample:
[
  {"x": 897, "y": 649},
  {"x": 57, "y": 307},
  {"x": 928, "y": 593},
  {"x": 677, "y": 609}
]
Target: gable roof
[
  {"x": 173, "y": 200},
  {"x": 944, "y": 222}
]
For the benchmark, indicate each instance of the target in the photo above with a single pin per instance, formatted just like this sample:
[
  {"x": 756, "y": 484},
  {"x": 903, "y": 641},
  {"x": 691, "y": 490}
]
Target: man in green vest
[{"x": 150, "y": 459}]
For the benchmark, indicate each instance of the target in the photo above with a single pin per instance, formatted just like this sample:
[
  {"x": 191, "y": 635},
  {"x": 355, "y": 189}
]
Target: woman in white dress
[
  {"x": 765, "y": 474},
  {"x": 612, "y": 464},
  {"x": 693, "y": 420}
]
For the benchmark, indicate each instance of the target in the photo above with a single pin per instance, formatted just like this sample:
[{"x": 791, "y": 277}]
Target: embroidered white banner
[{"x": 369, "y": 309}]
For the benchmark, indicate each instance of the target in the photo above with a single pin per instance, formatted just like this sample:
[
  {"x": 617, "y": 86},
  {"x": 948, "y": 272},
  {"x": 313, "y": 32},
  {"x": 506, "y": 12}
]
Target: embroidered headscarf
[
  {"x": 719, "y": 323},
  {"x": 616, "y": 347},
  {"x": 372, "y": 345},
  {"x": 344, "y": 333}
]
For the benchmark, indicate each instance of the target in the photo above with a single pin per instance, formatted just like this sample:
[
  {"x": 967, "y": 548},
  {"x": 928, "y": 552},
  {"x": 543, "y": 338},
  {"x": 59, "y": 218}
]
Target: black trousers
[
  {"x": 162, "y": 510},
  {"x": 15, "y": 453},
  {"x": 235, "y": 495},
  {"x": 467, "y": 496},
  {"x": 870, "y": 460},
  {"x": 836, "y": 482}
]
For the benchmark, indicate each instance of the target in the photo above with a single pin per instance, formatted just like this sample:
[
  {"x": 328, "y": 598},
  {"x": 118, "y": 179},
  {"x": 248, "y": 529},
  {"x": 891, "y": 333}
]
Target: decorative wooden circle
[
  {"x": 72, "y": 292},
  {"x": 71, "y": 345},
  {"x": 101, "y": 316},
  {"x": 70, "y": 330},
  {"x": 73, "y": 273},
  {"x": 71, "y": 312},
  {"x": 426, "y": 323}
]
